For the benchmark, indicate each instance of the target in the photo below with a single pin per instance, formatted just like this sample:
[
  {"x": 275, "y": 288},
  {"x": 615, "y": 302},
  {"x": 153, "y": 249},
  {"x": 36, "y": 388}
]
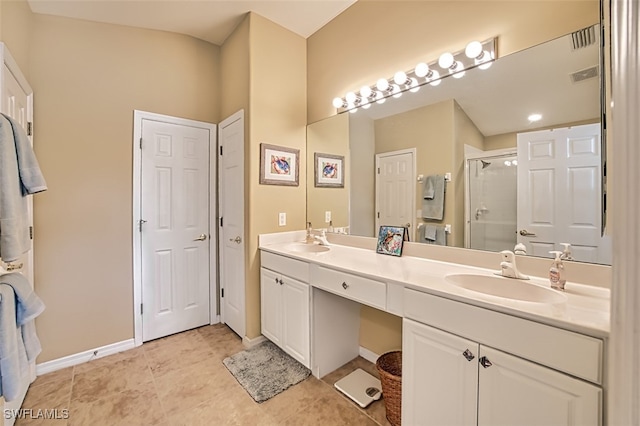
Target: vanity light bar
[{"x": 476, "y": 54}]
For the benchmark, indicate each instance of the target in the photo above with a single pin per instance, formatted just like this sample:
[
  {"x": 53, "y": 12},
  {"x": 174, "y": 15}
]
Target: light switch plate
[
  {"x": 327, "y": 216},
  {"x": 282, "y": 219}
]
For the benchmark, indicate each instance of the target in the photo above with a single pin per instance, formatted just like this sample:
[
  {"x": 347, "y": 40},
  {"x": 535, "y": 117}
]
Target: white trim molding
[
  {"x": 82, "y": 357},
  {"x": 623, "y": 402},
  {"x": 249, "y": 343},
  {"x": 368, "y": 355}
]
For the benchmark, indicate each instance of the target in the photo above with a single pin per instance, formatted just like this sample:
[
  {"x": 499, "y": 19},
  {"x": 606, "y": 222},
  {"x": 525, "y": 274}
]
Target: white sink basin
[
  {"x": 307, "y": 248},
  {"x": 508, "y": 288}
]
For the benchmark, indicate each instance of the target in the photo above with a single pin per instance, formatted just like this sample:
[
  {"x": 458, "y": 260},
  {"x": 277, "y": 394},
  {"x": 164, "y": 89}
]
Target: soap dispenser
[{"x": 556, "y": 272}]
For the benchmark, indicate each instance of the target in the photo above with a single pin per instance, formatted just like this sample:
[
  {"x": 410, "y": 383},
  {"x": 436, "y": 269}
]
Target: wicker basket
[{"x": 389, "y": 366}]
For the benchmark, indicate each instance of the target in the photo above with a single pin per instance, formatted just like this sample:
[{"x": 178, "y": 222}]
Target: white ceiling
[{"x": 209, "y": 20}]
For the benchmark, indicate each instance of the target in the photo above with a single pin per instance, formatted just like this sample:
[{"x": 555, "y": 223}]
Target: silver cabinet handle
[
  {"x": 345, "y": 285},
  {"x": 526, "y": 233},
  {"x": 484, "y": 361},
  {"x": 202, "y": 237},
  {"x": 276, "y": 280},
  {"x": 281, "y": 282},
  {"x": 236, "y": 240},
  {"x": 468, "y": 355}
]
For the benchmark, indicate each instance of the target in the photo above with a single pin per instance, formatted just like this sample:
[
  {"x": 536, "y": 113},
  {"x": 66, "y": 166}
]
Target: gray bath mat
[{"x": 265, "y": 370}]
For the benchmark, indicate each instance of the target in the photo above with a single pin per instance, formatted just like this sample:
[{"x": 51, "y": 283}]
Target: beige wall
[
  {"x": 374, "y": 39},
  {"x": 430, "y": 130},
  {"x": 88, "y": 78},
  {"x": 278, "y": 116},
  {"x": 16, "y": 23},
  {"x": 465, "y": 133},
  {"x": 329, "y": 136},
  {"x": 350, "y": 52}
]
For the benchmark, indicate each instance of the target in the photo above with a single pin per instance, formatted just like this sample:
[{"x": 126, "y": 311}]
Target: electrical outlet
[
  {"x": 327, "y": 216},
  {"x": 282, "y": 219}
]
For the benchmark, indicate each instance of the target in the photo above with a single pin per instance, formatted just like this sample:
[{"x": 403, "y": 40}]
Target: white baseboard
[
  {"x": 368, "y": 355},
  {"x": 82, "y": 357},
  {"x": 249, "y": 343}
]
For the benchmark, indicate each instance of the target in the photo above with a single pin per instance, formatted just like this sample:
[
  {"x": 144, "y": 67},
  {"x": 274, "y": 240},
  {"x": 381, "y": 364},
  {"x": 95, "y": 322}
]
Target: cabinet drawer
[
  {"x": 563, "y": 350},
  {"x": 363, "y": 290},
  {"x": 285, "y": 265}
]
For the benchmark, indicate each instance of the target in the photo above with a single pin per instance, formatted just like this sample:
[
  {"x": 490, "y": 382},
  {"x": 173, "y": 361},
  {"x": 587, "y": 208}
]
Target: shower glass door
[{"x": 492, "y": 202}]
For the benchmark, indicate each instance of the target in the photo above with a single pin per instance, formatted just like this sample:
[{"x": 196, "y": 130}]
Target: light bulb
[
  {"x": 446, "y": 60},
  {"x": 396, "y": 93},
  {"x": 458, "y": 74},
  {"x": 434, "y": 80},
  {"x": 473, "y": 49},
  {"x": 514, "y": 162},
  {"x": 414, "y": 85},
  {"x": 351, "y": 97},
  {"x": 507, "y": 163},
  {"x": 535, "y": 117},
  {"x": 365, "y": 104},
  {"x": 365, "y": 91},
  {"x": 338, "y": 103},
  {"x": 421, "y": 70},
  {"x": 353, "y": 110},
  {"x": 485, "y": 65},
  {"x": 382, "y": 85},
  {"x": 400, "y": 77},
  {"x": 380, "y": 99}
]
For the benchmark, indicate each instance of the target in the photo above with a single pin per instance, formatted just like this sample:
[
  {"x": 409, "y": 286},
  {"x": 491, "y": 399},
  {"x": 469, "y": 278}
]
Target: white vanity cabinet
[
  {"x": 284, "y": 303},
  {"x": 453, "y": 373}
]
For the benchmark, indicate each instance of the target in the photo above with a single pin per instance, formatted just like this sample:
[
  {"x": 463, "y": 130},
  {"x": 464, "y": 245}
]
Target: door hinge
[
  {"x": 378, "y": 170},
  {"x": 31, "y": 232},
  {"x": 222, "y": 292},
  {"x": 29, "y": 128},
  {"x": 141, "y": 310},
  {"x": 221, "y": 222},
  {"x": 221, "y": 150},
  {"x": 378, "y": 215},
  {"x": 140, "y": 143}
]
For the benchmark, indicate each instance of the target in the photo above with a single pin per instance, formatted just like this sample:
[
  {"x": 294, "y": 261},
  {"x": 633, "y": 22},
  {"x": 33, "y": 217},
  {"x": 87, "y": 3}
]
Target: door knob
[
  {"x": 202, "y": 237},
  {"x": 236, "y": 240},
  {"x": 526, "y": 233}
]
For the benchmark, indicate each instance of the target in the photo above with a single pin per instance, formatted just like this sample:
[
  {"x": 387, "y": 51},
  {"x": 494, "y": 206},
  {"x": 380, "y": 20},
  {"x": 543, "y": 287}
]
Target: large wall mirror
[{"x": 514, "y": 178}]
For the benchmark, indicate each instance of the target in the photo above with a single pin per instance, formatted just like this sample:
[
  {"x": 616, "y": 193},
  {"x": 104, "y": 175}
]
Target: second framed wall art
[{"x": 328, "y": 170}]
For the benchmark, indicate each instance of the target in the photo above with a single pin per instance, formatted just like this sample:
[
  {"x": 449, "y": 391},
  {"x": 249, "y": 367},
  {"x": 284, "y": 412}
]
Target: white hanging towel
[
  {"x": 20, "y": 175},
  {"x": 433, "y": 197}
]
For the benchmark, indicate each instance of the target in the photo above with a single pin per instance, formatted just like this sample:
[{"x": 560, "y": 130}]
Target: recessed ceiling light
[{"x": 535, "y": 117}]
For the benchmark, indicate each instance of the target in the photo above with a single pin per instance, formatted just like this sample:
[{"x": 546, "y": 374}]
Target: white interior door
[
  {"x": 17, "y": 103},
  {"x": 232, "y": 244},
  {"x": 559, "y": 181},
  {"x": 396, "y": 189},
  {"x": 174, "y": 227}
]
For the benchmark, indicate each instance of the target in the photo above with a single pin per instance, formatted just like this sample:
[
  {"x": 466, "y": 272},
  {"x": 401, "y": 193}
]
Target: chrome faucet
[{"x": 508, "y": 266}]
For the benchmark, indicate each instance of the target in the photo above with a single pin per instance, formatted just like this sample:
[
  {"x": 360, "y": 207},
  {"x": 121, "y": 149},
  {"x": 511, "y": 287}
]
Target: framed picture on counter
[
  {"x": 391, "y": 239},
  {"x": 278, "y": 165},
  {"x": 328, "y": 170}
]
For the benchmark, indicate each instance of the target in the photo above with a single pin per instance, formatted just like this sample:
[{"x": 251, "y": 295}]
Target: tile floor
[{"x": 180, "y": 380}]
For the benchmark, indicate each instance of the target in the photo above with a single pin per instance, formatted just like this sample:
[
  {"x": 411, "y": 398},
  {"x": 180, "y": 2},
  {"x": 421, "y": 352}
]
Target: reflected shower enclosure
[{"x": 491, "y": 202}]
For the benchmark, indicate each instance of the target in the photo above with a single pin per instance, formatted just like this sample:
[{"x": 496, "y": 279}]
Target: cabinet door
[
  {"x": 295, "y": 320},
  {"x": 439, "y": 383},
  {"x": 271, "y": 305},
  {"x": 513, "y": 391}
]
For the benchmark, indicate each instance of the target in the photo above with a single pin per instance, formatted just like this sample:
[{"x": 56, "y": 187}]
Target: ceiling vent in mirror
[
  {"x": 584, "y": 74},
  {"x": 583, "y": 38}
]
